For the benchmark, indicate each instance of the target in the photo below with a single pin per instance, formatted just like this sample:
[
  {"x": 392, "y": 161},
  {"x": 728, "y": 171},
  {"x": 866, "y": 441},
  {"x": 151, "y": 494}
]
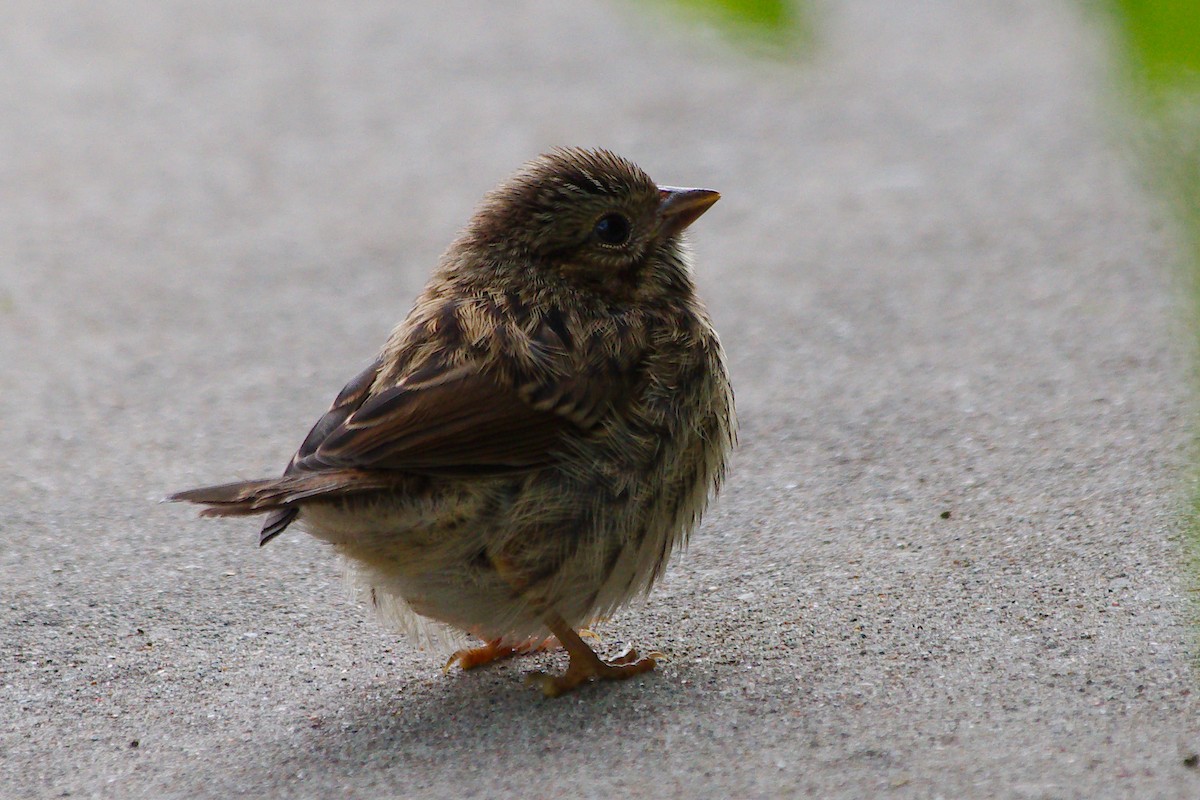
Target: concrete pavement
[{"x": 948, "y": 562}]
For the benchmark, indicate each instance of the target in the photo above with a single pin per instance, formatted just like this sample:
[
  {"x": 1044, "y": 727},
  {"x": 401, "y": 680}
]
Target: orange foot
[
  {"x": 585, "y": 665},
  {"x": 472, "y": 657}
]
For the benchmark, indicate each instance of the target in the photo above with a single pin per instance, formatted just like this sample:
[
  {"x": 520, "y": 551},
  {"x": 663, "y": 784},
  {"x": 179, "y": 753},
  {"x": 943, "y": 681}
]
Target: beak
[{"x": 679, "y": 208}]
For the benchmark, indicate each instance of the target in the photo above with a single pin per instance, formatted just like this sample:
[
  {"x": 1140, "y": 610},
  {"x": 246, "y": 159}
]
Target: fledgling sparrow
[{"x": 539, "y": 434}]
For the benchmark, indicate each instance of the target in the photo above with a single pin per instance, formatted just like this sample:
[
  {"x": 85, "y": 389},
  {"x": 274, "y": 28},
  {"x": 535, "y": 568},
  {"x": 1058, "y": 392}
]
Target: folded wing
[{"x": 452, "y": 422}]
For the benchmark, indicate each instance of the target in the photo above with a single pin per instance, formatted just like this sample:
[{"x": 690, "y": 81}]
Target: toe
[{"x": 473, "y": 657}]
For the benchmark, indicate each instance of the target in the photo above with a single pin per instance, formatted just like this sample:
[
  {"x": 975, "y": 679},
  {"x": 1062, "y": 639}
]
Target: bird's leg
[
  {"x": 496, "y": 650},
  {"x": 585, "y": 665},
  {"x": 471, "y": 657}
]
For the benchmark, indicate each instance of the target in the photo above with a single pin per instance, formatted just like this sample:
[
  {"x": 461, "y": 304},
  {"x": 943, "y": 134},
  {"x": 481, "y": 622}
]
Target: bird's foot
[
  {"x": 472, "y": 657},
  {"x": 583, "y": 670},
  {"x": 585, "y": 665}
]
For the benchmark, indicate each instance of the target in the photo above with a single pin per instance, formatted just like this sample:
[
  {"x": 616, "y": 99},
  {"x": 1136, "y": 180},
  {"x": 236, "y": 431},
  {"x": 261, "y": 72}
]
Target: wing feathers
[
  {"x": 438, "y": 420},
  {"x": 254, "y": 497},
  {"x": 455, "y": 422},
  {"x": 459, "y": 423}
]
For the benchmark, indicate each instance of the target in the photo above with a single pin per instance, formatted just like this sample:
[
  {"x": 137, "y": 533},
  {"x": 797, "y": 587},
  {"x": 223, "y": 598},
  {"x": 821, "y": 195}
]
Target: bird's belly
[{"x": 492, "y": 558}]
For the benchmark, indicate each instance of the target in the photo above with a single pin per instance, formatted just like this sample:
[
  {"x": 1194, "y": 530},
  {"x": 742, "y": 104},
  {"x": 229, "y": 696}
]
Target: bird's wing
[
  {"x": 347, "y": 402},
  {"x": 440, "y": 419},
  {"x": 462, "y": 418},
  {"x": 455, "y": 421}
]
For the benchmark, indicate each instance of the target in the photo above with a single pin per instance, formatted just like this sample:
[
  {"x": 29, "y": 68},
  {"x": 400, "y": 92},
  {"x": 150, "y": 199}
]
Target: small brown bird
[{"x": 539, "y": 434}]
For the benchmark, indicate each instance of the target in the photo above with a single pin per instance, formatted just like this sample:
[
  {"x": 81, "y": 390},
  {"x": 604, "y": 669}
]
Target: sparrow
[{"x": 538, "y": 436}]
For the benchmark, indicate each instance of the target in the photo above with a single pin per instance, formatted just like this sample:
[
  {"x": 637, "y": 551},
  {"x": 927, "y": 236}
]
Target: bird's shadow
[{"x": 490, "y": 715}]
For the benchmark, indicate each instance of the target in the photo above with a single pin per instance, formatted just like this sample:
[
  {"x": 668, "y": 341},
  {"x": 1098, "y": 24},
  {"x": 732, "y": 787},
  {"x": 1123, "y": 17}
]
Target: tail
[{"x": 281, "y": 498}]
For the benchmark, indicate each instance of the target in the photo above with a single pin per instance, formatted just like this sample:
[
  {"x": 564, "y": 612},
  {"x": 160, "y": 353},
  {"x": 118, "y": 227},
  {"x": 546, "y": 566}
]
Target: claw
[
  {"x": 472, "y": 657},
  {"x": 631, "y": 656},
  {"x": 585, "y": 665},
  {"x": 579, "y": 673}
]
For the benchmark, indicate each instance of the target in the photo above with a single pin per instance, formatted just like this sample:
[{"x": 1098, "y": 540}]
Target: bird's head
[{"x": 590, "y": 218}]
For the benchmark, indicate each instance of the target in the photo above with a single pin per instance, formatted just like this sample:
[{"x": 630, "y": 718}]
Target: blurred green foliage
[
  {"x": 1162, "y": 40},
  {"x": 771, "y": 27}
]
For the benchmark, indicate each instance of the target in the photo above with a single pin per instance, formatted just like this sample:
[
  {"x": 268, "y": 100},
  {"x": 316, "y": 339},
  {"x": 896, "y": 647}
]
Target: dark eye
[{"x": 612, "y": 229}]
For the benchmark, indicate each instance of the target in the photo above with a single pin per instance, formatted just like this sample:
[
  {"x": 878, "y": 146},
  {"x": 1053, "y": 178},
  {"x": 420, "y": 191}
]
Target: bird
[{"x": 538, "y": 436}]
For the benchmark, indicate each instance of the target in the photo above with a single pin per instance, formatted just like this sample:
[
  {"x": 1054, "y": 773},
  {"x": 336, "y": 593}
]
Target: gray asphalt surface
[{"x": 947, "y": 563}]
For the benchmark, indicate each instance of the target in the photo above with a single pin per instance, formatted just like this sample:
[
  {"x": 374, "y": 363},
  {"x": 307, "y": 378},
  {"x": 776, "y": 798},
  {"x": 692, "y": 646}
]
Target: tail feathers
[
  {"x": 232, "y": 499},
  {"x": 280, "y": 496},
  {"x": 277, "y": 522}
]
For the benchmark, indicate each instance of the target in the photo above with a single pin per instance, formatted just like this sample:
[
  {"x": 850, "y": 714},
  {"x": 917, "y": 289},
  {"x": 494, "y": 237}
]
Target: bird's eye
[{"x": 612, "y": 229}]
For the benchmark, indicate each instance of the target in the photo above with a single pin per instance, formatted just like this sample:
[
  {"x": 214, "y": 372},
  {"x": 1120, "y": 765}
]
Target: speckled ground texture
[{"x": 949, "y": 560}]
